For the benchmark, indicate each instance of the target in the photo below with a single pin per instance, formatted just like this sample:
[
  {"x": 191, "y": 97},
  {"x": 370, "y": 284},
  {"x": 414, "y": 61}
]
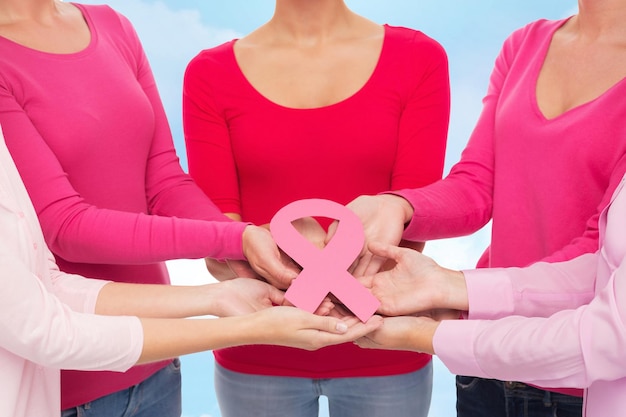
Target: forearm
[
  {"x": 165, "y": 338},
  {"x": 158, "y": 301}
]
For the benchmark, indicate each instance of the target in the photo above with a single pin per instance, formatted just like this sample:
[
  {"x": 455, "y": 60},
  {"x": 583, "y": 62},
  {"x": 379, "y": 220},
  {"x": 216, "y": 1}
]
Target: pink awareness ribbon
[{"x": 324, "y": 270}]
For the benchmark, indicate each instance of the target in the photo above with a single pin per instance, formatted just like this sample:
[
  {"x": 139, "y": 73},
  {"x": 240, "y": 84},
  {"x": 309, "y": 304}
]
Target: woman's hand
[
  {"x": 402, "y": 333},
  {"x": 263, "y": 255},
  {"x": 383, "y": 217},
  {"x": 241, "y": 296},
  {"x": 311, "y": 230},
  {"x": 416, "y": 283},
  {"x": 290, "y": 326}
]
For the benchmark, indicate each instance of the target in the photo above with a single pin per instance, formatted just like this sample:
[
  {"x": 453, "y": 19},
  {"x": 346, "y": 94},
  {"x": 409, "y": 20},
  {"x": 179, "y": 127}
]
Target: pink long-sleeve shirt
[
  {"x": 564, "y": 322},
  {"x": 42, "y": 322},
  {"x": 90, "y": 138},
  {"x": 543, "y": 182}
]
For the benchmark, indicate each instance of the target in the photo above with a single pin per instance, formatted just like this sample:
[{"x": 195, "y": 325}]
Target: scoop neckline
[
  {"x": 84, "y": 51},
  {"x": 349, "y": 98}
]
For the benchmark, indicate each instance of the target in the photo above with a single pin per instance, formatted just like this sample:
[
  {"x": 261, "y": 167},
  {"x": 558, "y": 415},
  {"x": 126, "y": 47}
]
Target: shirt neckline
[
  {"x": 354, "y": 95},
  {"x": 87, "y": 49}
]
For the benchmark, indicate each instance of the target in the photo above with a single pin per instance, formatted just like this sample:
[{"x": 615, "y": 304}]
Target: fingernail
[{"x": 341, "y": 327}]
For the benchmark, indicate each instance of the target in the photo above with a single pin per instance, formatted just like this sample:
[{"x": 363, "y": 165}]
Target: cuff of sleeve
[
  {"x": 412, "y": 227},
  {"x": 454, "y": 345},
  {"x": 136, "y": 330},
  {"x": 232, "y": 247},
  {"x": 489, "y": 294}
]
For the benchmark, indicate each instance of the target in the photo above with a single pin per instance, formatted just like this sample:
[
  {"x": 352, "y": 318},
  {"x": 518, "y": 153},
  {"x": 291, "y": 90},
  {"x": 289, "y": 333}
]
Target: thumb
[
  {"x": 385, "y": 250},
  {"x": 277, "y": 297}
]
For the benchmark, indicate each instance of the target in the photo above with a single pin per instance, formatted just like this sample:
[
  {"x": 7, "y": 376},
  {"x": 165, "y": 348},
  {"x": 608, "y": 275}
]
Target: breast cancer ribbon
[{"x": 324, "y": 270}]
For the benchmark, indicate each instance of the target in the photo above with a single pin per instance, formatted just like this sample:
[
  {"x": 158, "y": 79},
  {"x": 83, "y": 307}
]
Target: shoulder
[
  {"x": 531, "y": 35},
  {"x": 412, "y": 52},
  {"x": 404, "y": 39},
  {"x": 217, "y": 58},
  {"x": 106, "y": 19}
]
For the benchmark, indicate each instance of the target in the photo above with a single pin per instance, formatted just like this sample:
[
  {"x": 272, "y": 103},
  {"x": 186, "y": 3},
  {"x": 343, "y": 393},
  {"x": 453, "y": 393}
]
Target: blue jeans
[
  {"x": 157, "y": 396},
  {"x": 406, "y": 395},
  {"x": 478, "y": 397}
]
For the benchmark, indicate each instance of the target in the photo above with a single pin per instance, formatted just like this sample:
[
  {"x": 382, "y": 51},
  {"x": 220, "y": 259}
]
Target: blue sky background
[{"x": 173, "y": 31}]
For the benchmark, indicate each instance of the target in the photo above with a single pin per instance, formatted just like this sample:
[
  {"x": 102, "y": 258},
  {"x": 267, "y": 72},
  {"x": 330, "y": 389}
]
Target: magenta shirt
[
  {"x": 543, "y": 181},
  {"x": 91, "y": 141}
]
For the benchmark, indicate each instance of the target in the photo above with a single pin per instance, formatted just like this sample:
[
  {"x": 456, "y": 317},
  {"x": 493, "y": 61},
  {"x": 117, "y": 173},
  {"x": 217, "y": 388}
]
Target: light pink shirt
[
  {"x": 575, "y": 336},
  {"x": 42, "y": 322}
]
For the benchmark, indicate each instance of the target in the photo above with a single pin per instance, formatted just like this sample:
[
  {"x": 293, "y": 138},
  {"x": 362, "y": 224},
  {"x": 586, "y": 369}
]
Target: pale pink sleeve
[
  {"x": 539, "y": 290},
  {"x": 572, "y": 348},
  {"x": 36, "y": 325}
]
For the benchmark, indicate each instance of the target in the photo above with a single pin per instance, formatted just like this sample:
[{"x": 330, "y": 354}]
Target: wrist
[
  {"x": 401, "y": 205},
  {"x": 454, "y": 293},
  {"x": 422, "y": 335}
]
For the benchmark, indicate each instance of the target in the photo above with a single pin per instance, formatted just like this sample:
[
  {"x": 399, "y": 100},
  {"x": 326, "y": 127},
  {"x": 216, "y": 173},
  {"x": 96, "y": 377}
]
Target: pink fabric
[
  {"x": 91, "y": 141},
  {"x": 38, "y": 332},
  {"x": 253, "y": 156},
  {"x": 542, "y": 181},
  {"x": 581, "y": 346}
]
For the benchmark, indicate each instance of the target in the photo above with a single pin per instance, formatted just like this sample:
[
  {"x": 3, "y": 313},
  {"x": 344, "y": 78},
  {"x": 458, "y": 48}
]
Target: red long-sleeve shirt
[{"x": 253, "y": 156}]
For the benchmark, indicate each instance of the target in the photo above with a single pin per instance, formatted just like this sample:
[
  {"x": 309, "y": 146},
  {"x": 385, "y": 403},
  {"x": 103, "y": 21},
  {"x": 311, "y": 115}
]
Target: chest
[
  {"x": 573, "y": 75},
  {"x": 314, "y": 76}
]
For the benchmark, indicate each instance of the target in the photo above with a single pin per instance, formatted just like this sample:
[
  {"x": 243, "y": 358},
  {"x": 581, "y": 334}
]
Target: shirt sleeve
[
  {"x": 207, "y": 138},
  {"x": 462, "y": 202},
  {"x": 572, "y": 348},
  {"x": 177, "y": 225},
  {"x": 537, "y": 291},
  {"x": 424, "y": 121},
  {"x": 36, "y": 325}
]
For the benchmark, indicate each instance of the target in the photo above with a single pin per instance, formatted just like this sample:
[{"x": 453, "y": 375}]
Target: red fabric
[{"x": 252, "y": 157}]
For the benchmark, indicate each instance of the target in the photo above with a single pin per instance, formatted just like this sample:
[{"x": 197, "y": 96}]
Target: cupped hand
[
  {"x": 241, "y": 296},
  {"x": 416, "y": 283},
  {"x": 290, "y": 326}
]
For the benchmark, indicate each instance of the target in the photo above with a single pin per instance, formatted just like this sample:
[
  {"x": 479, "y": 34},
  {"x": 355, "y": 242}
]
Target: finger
[
  {"x": 361, "y": 329},
  {"x": 277, "y": 297},
  {"x": 366, "y": 280},
  {"x": 375, "y": 265},
  {"x": 332, "y": 229},
  {"x": 325, "y": 308},
  {"x": 340, "y": 311},
  {"x": 278, "y": 274},
  {"x": 242, "y": 269},
  {"x": 362, "y": 264},
  {"x": 366, "y": 343},
  {"x": 386, "y": 251}
]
